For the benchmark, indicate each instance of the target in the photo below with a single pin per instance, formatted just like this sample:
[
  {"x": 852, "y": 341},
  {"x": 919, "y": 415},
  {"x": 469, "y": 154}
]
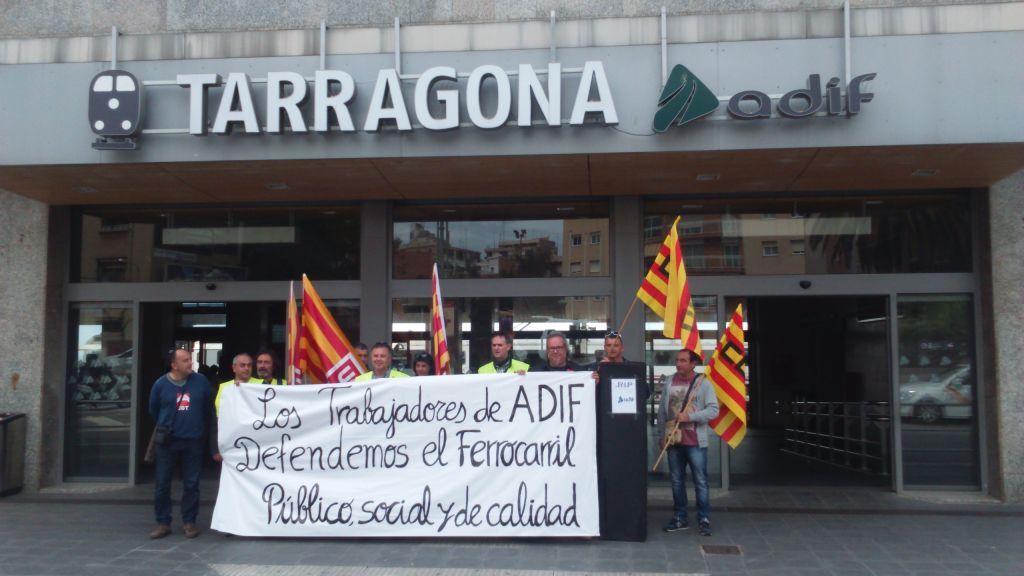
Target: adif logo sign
[{"x": 685, "y": 99}]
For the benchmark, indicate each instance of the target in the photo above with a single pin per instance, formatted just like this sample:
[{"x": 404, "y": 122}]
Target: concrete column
[
  {"x": 1006, "y": 199},
  {"x": 628, "y": 264},
  {"x": 23, "y": 267},
  {"x": 374, "y": 272}
]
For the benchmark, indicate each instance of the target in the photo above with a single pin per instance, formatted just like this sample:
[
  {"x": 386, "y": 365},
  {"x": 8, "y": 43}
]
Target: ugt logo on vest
[{"x": 685, "y": 99}]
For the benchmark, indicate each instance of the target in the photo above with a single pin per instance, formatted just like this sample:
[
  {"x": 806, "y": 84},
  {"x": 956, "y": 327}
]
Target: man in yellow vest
[
  {"x": 241, "y": 366},
  {"x": 501, "y": 353},
  {"x": 380, "y": 360},
  {"x": 265, "y": 365}
]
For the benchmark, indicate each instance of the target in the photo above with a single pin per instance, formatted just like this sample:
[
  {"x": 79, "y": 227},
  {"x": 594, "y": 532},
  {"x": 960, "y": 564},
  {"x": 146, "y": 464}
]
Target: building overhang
[{"x": 794, "y": 170}]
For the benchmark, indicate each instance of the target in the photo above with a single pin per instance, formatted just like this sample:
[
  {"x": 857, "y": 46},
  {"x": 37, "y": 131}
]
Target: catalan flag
[
  {"x": 725, "y": 370},
  {"x": 653, "y": 291},
  {"x": 666, "y": 290},
  {"x": 442, "y": 361},
  {"x": 293, "y": 374},
  {"x": 325, "y": 354}
]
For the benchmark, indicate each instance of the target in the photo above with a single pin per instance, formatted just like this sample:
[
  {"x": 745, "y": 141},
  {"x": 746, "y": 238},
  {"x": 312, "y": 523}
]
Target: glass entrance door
[
  {"x": 99, "y": 391},
  {"x": 818, "y": 392}
]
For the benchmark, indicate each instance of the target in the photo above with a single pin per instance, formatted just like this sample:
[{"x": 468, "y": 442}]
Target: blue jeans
[
  {"x": 190, "y": 453},
  {"x": 697, "y": 458}
]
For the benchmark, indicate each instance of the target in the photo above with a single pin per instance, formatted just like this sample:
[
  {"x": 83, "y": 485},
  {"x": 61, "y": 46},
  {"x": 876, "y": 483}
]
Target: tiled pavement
[{"x": 90, "y": 536}]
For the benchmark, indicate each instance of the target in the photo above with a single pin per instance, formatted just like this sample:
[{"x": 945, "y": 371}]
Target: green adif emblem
[{"x": 684, "y": 98}]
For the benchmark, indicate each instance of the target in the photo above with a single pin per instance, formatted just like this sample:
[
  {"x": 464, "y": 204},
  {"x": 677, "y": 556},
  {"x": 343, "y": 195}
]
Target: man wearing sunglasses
[{"x": 612, "y": 352}]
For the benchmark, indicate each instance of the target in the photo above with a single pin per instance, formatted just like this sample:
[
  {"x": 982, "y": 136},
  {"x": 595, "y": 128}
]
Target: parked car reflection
[{"x": 945, "y": 395}]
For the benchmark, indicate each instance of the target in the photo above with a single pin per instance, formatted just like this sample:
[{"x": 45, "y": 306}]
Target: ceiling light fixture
[
  {"x": 709, "y": 177},
  {"x": 86, "y": 190},
  {"x": 277, "y": 186},
  {"x": 924, "y": 172}
]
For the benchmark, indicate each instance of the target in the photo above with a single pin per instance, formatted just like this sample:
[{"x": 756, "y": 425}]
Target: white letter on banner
[
  {"x": 593, "y": 73},
  {"x": 387, "y": 85},
  {"x": 278, "y": 105},
  {"x": 473, "y": 86},
  {"x": 493, "y": 455},
  {"x": 450, "y": 99},
  {"x": 323, "y": 102},
  {"x": 197, "y": 85},
  {"x": 236, "y": 88},
  {"x": 530, "y": 88}
]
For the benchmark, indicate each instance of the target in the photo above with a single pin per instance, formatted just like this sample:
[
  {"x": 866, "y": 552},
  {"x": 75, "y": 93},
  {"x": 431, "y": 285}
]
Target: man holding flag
[{"x": 688, "y": 403}]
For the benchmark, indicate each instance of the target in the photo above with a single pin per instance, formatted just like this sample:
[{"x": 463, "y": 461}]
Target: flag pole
[
  {"x": 628, "y": 312},
  {"x": 665, "y": 447}
]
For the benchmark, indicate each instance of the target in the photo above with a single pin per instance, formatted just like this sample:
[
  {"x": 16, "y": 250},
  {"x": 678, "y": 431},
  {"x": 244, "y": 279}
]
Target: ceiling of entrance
[{"x": 787, "y": 170}]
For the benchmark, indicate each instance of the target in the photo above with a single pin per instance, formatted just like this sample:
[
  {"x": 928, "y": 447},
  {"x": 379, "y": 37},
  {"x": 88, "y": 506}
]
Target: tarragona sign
[
  {"x": 334, "y": 91},
  {"x": 115, "y": 101}
]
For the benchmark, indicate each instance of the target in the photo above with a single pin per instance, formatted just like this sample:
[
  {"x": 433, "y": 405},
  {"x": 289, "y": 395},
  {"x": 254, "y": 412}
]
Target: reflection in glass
[
  {"x": 826, "y": 235},
  {"x": 533, "y": 242},
  {"x": 661, "y": 358},
  {"x": 471, "y": 321},
  {"x": 937, "y": 391},
  {"x": 216, "y": 244},
  {"x": 99, "y": 391}
]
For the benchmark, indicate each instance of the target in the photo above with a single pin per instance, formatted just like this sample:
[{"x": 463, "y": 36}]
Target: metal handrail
[{"x": 837, "y": 433}]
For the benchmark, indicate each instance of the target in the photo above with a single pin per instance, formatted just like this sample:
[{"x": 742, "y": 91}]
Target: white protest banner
[{"x": 473, "y": 455}]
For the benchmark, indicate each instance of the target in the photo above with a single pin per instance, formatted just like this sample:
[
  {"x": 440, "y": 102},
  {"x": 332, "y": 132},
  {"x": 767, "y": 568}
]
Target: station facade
[{"x": 861, "y": 197}]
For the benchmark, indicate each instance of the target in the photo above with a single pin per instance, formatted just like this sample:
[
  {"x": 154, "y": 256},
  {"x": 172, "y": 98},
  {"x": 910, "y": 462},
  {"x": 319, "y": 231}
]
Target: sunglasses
[{"x": 613, "y": 334}]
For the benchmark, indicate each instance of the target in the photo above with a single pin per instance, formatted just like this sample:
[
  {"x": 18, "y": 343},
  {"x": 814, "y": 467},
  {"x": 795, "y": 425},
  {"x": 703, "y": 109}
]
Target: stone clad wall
[
  {"x": 32, "y": 18},
  {"x": 23, "y": 270},
  {"x": 1007, "y": 236}
]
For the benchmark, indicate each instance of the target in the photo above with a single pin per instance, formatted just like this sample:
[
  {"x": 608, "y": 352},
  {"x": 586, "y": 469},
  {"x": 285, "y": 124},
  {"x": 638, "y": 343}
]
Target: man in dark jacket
[
  {"x": 181, "y": 404},
  {"x": 558, "y": 355}
]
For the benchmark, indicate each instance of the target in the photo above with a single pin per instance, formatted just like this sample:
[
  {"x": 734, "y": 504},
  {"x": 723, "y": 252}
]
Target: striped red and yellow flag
[
  {"x": 293, "y": 374},
  {"x": 726, "y": 371},
  {"x": 325, "y": 354},
  {"x": 654, "y": 289},
  {"x": 680, "y": 319},
  {"x": 442, "y": 361}
]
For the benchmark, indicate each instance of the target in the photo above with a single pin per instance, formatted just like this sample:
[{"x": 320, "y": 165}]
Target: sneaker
[
  {"x": 675, "y": 525},
  {"x": 704, "y": 527},
  {"x": 160, "y": 531},
  {"x": 191, "y": 531}
]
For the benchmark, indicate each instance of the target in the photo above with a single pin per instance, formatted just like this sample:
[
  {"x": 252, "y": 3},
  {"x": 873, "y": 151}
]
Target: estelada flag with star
[
  {"x": 325, "y": 354},
  {"x": 725, "y": 370},
  {"x": 666, "y": 290}
]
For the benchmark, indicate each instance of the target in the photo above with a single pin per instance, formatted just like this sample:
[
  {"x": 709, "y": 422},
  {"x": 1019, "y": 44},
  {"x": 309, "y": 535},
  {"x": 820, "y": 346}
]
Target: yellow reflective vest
[
  {"x": 369, "y": 375},
  {"x": 515, "y": 366},
  {"x": 220, "y": 390}
]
